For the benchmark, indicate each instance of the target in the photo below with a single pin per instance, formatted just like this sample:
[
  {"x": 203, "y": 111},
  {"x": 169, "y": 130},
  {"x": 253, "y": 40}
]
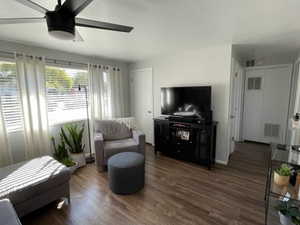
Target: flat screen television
[{"x": 185, "y": 101}]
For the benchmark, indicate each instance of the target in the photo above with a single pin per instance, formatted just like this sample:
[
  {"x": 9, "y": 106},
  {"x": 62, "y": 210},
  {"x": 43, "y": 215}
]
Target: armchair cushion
[
  {"x": 125, "y": 145},
  {"x": 112, "y": 130}
]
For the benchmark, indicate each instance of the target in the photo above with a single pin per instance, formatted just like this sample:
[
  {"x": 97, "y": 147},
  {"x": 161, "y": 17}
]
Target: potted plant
[
  {"x": 288, "y": 213},
  {"x": 282, "y": 175},
  {"x": 74, "y": 141},
  {"x": 61, "y": 154}
]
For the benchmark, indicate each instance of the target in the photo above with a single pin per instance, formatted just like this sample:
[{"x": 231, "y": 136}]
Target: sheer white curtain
[
  {"x": 5, "y": 154},
  {"x": 32, "y": 85},
  {"x": 117, "y": 92},
  {"x": 106, "y": 87},
  {"x": 99, "y": 97},
  {"x": 106, "y": 95}
]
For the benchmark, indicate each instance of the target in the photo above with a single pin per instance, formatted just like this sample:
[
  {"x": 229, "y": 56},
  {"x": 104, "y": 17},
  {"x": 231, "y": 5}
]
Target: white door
[
  {"x": 253, "y": 104},
  {"x": 266, "y": 104},
  {"x": 236, "y": 102},
  {"x": 142, "y": 101}
]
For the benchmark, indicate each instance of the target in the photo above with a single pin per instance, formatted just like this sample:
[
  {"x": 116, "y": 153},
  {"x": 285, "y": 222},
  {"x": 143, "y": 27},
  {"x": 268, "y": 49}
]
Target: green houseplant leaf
[
  {"x": 290, "y": 210},
  {"x": 284, "y": 170},
  {"x": 74, "y": 138},
  {"x": 61, "y": 152}
]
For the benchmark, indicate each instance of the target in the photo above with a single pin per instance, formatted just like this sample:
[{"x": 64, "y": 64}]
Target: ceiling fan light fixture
[
  {"x": 62, "y": 35},
  {"x": 61, "y": 25}
]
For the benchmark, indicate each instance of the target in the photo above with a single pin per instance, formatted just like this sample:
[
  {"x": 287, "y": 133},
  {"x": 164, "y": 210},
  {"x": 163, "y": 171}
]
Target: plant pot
[
  {"x": 281, "y": 180},
  {"x": 284, "y": 220},
  {"x": 73, "y": 168},
  {"x": 79, "y": 158}
]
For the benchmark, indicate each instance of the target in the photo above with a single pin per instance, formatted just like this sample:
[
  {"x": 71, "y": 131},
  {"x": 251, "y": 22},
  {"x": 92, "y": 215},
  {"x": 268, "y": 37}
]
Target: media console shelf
[{"x": 190, "y": 141}]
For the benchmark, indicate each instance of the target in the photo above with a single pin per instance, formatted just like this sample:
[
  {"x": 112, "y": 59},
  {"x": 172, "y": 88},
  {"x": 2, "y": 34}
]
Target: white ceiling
[{"x": 166, "y": 26}]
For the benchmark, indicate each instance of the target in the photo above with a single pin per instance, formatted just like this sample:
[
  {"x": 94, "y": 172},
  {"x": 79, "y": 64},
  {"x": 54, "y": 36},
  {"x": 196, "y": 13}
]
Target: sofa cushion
[
  {"x": 8, "y": 215},
  {"x": 124, "y": 145},
  {"x": 112, "y": 130},
  {"x": 25, "y": 180}
]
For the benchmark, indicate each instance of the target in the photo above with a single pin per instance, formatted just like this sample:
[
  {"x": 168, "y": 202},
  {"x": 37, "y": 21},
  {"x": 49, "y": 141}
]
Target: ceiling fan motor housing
[
  {"x": 61, "y": 24},
  {"x": 61, "y": 21}
]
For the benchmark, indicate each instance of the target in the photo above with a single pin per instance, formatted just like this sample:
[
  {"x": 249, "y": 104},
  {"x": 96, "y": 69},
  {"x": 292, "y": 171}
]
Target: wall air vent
[
  {"x": 271, "y": 130},
  {"x": 254, "y": 83}
]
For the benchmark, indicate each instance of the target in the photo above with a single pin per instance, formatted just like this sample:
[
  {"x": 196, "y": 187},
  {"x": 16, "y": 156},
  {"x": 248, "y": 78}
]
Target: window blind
[
  {"x": 10, "y": 97},
  {"x": 66, "y": 101}
]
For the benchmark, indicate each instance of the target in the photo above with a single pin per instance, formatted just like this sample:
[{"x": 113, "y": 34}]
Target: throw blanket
[
  {"x": 23, "y": 175},
  {"x": 128, "y": 121}
]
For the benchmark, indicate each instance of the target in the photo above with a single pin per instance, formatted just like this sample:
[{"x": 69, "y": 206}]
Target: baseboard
[{"x": 222, "y": 162}]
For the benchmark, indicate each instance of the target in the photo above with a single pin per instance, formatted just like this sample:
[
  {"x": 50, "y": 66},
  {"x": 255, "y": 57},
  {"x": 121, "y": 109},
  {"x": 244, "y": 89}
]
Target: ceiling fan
[{"x": 62, "y": 20}]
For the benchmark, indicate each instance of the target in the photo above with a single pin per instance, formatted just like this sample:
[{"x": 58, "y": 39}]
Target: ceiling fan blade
[
  {"x": 21, "y": 20},
  {"x": 75, "y": 6},
  {"x": 33, "y": 5},
  {"x": 78, "y": 37},
  {"x": 102, "y": 25}
]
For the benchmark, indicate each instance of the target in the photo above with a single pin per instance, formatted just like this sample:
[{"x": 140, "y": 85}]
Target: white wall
[
  {"x": 264, "y": 55},
  {"x": 205, "y": 66},
  {"x": 267, "y": 60}
]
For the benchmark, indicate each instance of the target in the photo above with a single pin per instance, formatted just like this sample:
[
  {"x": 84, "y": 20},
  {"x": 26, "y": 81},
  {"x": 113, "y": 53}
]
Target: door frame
[
  {"x": 295, "y": 100},
  {"x": 150, "y": 69}
]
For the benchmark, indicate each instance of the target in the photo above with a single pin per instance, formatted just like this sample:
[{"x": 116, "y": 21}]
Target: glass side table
[{"x": 274, "y": 193}]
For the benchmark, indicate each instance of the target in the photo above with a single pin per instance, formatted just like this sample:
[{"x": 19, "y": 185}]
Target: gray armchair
[{"x": 112, "y": 137}]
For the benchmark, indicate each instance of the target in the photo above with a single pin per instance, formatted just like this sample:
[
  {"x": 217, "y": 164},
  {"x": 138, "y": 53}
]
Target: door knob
[{"x": 149, "y": 111}]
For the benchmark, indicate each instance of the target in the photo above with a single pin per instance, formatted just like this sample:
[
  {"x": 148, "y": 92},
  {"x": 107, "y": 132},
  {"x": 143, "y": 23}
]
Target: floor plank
[{"x": 176, "y": 192}]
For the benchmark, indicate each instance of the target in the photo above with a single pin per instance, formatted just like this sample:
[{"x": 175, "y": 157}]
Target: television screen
[{"x": 185, "y": 100}]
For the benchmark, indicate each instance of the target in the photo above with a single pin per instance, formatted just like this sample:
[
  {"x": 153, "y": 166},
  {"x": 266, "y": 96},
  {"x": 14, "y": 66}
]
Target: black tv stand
[
  {"x": 193, "y": 141},
  {"x": 188, "y": 119}
]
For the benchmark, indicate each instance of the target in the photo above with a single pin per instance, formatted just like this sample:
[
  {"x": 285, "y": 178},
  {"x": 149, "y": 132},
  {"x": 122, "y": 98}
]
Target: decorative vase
[
  {"x": 79, "y": 158},
  {"x": 284, "y": 220},
  {"x": 281, "y": 180}
]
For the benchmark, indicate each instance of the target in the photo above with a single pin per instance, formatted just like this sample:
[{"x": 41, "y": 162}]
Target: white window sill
[{"x": 66, "y": 122}]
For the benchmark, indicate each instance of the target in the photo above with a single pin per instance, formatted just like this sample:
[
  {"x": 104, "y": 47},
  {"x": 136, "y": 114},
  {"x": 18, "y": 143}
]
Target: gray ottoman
[{"x": 126, "y": 172}]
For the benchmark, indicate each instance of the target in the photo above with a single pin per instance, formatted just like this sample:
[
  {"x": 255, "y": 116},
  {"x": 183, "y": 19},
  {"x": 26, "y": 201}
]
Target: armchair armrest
[
  {"x": 99, "y": 151},
  {"x": 98, "y": 137},
  {"x": 140, "y": 139}
]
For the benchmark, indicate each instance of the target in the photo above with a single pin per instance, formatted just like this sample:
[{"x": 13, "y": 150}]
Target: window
[
  {"x": 10, "y": 97},
  {"x": 66, "y": 101}
]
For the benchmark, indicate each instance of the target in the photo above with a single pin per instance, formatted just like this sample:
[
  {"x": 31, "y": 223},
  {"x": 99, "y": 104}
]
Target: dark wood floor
[{"x": 175, "y": 193}]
